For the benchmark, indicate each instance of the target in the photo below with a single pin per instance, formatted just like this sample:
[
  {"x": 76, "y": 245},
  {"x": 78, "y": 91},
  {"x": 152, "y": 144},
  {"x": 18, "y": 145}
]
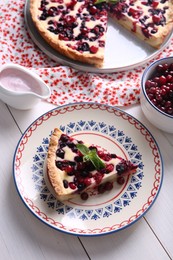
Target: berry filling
[{"x": 76, "y": 28}]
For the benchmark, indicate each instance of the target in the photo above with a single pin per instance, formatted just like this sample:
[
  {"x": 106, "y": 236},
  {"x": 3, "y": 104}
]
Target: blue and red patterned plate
[{"x": 115, "y": 131}]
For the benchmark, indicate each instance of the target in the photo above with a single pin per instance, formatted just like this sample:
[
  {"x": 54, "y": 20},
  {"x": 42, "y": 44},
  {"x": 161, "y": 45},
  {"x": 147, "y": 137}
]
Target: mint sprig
[
  {"x": 106, "y": 1},
  {"x": 91, "y": 155}
]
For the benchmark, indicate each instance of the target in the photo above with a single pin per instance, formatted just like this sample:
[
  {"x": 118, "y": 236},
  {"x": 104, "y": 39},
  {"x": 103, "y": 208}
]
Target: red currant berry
[
  {"x": 72, "y": 185},
  {"x": 168, "y": 104},
  {"x": 93, "y": 10},
  {"x": 154, "y": 101},
  {"x": 158, "y": 97},
  {"x": 98, "y": 177},
  {"x": 169, "y": 110},
  {"x": 156, "y": 79},
  {"x": 159, "y": 68},
  {"x": 152, "y": 90},
  {"x": 120, "y": 180},
  {"x": 169, "y": 78},
  {"x": 108, "y": 186},
  {"x": 101, "y": 188},
  {"x": 162, "y": 80},
  {"x": 93, "y": 49},
  {"x": 109, "y": 168},
  {"x": 87, "y": 181},
  {"x": 84, "y": 196},
  {"x": 148, "y": 84}
]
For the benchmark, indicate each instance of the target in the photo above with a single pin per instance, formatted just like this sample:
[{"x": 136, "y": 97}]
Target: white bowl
[
  {"x": 158, "y": 118},
  {"x": 21, "y": 88}
]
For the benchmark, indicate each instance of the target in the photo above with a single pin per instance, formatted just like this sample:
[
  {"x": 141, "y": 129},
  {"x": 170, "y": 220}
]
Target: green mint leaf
[
  {"x": 86, "y": 158},
  {"x": 106, "y": 1},
  {"x": 95, "y": 159},
  {"x": 83, "y": 149},
  {"x": 91, "y": 155},
  {"x": 99, "y": 1}
]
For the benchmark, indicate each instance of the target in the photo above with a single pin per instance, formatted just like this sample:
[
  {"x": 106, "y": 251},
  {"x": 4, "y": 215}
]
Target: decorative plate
[
  {"x": 117, "y": 56},
  {"x": 115, "y": 131}
]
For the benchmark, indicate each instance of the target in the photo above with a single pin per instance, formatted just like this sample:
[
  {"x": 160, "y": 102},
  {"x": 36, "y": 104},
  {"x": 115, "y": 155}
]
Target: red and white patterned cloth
[{"x": 67, "y": 84}]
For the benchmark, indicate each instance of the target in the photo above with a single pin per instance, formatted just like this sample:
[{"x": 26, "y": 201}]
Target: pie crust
[{"x": 53, "y": 172}]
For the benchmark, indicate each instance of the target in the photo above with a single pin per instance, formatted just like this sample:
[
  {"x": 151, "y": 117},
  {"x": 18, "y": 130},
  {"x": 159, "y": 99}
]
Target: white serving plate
[
  {"x": 110, "y": 128},
  {"x": 123, "y": 50}
]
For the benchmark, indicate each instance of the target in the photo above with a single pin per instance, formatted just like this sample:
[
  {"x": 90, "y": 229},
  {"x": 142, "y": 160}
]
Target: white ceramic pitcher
[{"x": 21, "y": 88}]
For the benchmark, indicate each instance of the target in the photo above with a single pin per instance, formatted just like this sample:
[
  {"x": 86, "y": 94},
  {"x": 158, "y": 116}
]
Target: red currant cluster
[{"x": 159, "y": 88}]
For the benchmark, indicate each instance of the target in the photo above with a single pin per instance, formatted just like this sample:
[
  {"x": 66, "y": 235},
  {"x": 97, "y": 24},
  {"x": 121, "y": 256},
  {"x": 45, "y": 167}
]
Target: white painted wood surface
[{"x": 23, "y": 236}]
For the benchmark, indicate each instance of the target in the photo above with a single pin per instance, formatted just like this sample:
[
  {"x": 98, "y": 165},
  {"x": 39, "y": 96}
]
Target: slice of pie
[
  {"x": 77, "y": 28},
  {"x": 74, "y": 167}
]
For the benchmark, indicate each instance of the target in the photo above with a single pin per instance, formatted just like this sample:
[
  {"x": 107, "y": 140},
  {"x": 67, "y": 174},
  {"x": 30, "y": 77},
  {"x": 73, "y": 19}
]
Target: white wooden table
[{"x": 23, "y": 236}]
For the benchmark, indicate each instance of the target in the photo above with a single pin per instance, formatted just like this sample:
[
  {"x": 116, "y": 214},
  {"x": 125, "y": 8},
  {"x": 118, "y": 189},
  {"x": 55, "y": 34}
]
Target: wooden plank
[{"x": 23, "y": 236}]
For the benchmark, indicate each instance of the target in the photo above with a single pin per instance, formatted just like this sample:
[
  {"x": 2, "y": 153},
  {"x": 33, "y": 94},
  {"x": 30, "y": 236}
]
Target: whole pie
[
  {"x": 74, "y": 167},
  {"x": 77, "y": 28}
]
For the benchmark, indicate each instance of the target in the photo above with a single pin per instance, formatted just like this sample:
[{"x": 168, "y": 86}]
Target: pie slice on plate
[
  {"x": 77, "y": 28},
  {"x": 73, "y": 167}
]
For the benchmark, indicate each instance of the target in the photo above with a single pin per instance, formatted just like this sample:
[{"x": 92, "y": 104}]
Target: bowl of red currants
[{"x": 157, "y": 94}]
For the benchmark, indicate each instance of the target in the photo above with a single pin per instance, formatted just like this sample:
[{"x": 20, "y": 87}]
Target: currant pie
[
  {"x": 77, "y": 28},
  {"x": 74, "y": 167}
]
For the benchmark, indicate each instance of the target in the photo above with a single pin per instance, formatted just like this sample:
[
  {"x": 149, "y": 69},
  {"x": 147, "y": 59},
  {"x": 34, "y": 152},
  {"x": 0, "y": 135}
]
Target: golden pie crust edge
[
  {"x": 94, "y": 59},
  {"x": 52, "y": 171}
]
